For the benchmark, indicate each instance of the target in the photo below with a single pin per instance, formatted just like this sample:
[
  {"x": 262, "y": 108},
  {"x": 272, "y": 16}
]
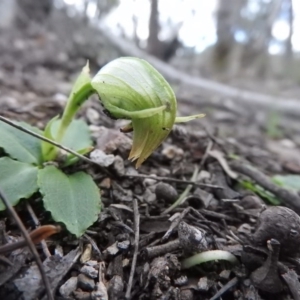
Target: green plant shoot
[{"x": 130, "y": 88}]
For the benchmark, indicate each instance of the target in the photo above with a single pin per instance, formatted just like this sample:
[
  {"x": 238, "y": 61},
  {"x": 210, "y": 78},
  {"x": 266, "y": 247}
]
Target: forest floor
[{"x": 222, "y": 168}]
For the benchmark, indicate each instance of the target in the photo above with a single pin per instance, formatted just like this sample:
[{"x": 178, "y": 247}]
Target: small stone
[
  {"x": 186, "y": 294},
  {"x": 203, "y": 284},
  {"x": 112, "y": 249},
  {"x": 124, "y": 245},
  {"x": 86, "y": 254},
  {"x": 119, "y": 165},
  {"x": 68, "y": 287},
  {"x": 92, "y": 115},
  {"x": 116, "y": 287},
  {"x": 149, "y": 196},
  {"x": 60, "y": 98},
  {"x": 105, "y": 183},
  {"x": 80, "y": 295},
  {"x": 101, "y": 158},
  {"x": 191, "y": 238},
  {"x": 100, "y": 293},
  {"x": 173, "y": 152},
  {"x": 92, "y": 263},
  {"x": 225, "y": 274},
  {"x": 125, "y": 262},
  {"x": 288, "y": 144},
  {"x": 131, "y": 171},
  {"x": 166, "y": 192},
  {"x": 85, "y": 283},
  {"x": 149, "y": 181},
  {"x": 110, "y": 140},
  {"x": 251, "y": 202},
  {"x": 181, "y": 281},
  {"x": 89, "y": 271},
  {"x": 204, "y": 175},
  {"x": 59, "y": 251}
]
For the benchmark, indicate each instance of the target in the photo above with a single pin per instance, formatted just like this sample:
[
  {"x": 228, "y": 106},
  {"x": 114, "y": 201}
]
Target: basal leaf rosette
[{"x": 130, "y": 88}]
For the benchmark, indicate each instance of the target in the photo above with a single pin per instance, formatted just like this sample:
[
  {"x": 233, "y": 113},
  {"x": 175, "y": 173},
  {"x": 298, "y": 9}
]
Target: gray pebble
[
  {"x": 80, "y": 295},
  {"x": 68, "y": 287},
  {"x": 101, "y": 158},
  {"x": 119, "y": 165},
  {"x": 124, "y": 245},
  {"x": 165, "y": 191},
  {"x": 85, "y": 283},
  {"x": 89, "y": 271}
]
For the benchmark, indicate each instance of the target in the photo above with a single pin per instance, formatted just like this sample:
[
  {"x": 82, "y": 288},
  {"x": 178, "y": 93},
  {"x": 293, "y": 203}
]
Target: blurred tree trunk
[
  {"x": 7, "y": 13},
  {"x": 227, "y": 18},
  {"x": 164, "y": 50},
  {"x": 153, "y": 44},
  {"x": 256, "y": 52},
  {"x": 288, "y": 43},
  {"x": 32, "y": 11}
]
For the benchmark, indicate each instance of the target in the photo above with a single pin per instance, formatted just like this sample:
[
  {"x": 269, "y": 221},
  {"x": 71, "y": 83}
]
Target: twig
[
  {"x": 225, "y": 288},
  {"x": 36, "y": 236},
  {"x": 168, "y": 179},
  {"x": 184, "y": 194},
  {"x": 136, "y": 246},
  {"x": 175, "y": 223},
  {"x": 160, "y": 250},
  {"x": 30, "y": 244},
  {"x": 291, "y": 279},
  {"x": 37, "y": 224},
  {"x": 205, "y": 156},
  {"x": 290, "y": 198},
  {"x": 94, "y": 245},
  {"x": 50, "y": 142}
]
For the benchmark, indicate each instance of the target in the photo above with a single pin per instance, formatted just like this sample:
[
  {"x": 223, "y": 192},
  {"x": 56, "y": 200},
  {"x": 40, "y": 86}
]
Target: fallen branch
[
  {"x": 289, "y": 198},
  {"x": 204, "y": 86}
]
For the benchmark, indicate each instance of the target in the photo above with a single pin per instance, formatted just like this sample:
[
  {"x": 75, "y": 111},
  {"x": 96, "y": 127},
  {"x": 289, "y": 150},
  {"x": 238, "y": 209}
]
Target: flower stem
[{"x": 75, "y": 101}]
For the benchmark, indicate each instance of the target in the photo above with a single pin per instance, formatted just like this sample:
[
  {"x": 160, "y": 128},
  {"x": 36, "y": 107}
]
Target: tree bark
[
  {"x": 29, "y": 11},
  {"x": 288, "y": 43},
  {"x": 153, "y": 43}
]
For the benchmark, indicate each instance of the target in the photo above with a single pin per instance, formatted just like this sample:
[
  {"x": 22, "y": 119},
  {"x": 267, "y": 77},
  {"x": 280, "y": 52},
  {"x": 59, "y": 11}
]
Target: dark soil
[{"x": 136, "y": 222}]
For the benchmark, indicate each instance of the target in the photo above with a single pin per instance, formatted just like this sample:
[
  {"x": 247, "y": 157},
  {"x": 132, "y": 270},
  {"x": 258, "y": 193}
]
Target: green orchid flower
[{"x": 130, "y": 88}]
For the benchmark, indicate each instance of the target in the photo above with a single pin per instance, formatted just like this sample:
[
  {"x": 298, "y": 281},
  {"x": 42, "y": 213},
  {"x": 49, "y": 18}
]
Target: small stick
[
  {"x": 136, "y": 246},
  {"x": 160, "y": 250},
  {"x": 288, "y": 197},
  {"x": 29, "y": 243},
  {"x": 206, "y": 154},
  {"x": 50, "y": 142},
  {"x": 37, "y": 225},
  {"x": 94, "y": 245},
  {"x": 168, "y": 179},
  {"x": 225, "y": 288},
  {"x": 36, "y": 236}
]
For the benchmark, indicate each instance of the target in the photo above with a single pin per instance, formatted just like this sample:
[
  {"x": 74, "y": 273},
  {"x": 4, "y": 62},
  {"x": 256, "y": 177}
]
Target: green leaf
[
  {"x": 49, "y": 151},
  {"x": 17, "y": 180},
  {"x": 77, "y": 137},
  {"x": 291, "y": 182},
  {"x": 81, "y": 91},
  {"x": 72, "y": 199},
  {"x": 20, "y": 145},
  {"x": 257, "y": 189}
]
